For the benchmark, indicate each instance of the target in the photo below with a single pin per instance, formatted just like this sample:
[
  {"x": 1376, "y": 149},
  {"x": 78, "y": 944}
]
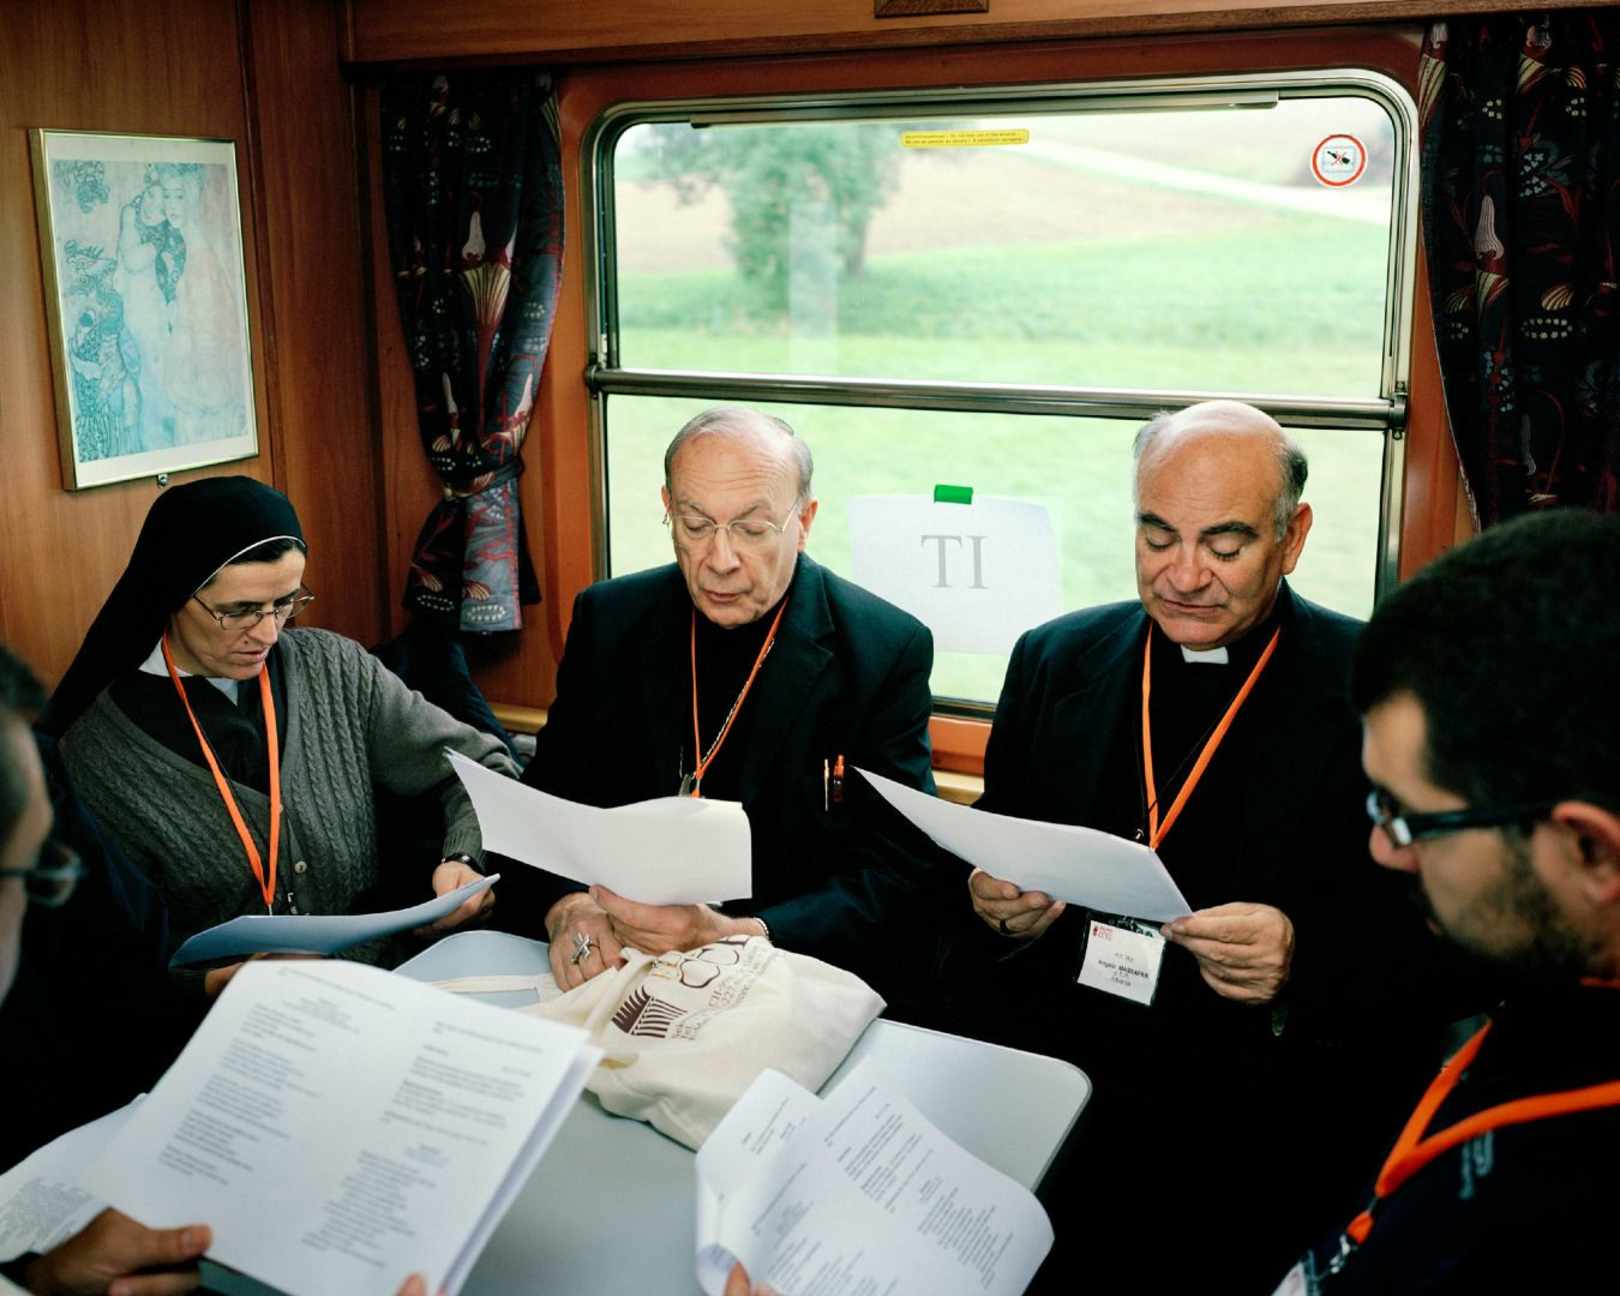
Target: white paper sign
[{"x": 978, "y": 575}]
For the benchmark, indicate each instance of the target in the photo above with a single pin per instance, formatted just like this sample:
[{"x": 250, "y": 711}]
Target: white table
[{"x": 612, "y": 1206}]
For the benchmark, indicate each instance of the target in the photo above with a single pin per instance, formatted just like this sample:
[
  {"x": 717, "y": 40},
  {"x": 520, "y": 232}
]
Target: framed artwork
[{"x": 146, "y": 299}]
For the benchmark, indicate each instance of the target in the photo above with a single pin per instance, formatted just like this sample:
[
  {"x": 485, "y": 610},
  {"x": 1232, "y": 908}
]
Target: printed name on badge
[{"x": 1123, "y": 960}]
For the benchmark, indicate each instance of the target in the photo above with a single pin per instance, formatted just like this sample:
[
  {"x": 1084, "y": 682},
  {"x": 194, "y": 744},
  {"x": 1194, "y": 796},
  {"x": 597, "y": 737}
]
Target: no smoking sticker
[{"x": 1338, "y": 161}]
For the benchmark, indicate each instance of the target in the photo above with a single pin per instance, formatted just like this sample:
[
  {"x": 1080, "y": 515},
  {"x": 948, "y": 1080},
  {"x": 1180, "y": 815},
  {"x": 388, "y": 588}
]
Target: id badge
[{"x": 1123, "y": 957}]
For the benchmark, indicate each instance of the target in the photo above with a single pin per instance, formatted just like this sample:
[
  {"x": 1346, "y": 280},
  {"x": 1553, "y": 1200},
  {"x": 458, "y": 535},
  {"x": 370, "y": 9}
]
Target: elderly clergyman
[
  {"x": 1210, "y": 719},
  {"x": 743, "y": 671}
]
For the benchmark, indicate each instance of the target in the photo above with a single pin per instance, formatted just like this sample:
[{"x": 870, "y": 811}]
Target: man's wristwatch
[{"x": 461, "y": 857}]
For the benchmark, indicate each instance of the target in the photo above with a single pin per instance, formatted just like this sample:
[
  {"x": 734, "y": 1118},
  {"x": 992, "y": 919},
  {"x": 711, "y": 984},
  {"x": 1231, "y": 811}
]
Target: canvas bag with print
[{"x": 684, "y": 1034}]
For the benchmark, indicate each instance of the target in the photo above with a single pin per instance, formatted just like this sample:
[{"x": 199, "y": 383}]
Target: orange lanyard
[
  {"x": 1157, "y": 832},
  {"x": 692, "y": 785},
  {"x": 266, "y": 885},
  {"x": 1412, "y": 1151}
]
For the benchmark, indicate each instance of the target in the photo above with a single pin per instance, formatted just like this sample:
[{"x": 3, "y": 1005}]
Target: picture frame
[{"x": 146, "y": 303}]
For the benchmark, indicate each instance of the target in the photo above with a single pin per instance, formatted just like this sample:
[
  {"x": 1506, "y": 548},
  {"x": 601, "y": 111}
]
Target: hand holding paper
[
  {"x": 1081, "y": 865},
  {"x": 317, "y": 933},
  {"x": 340, "y": 1127}
]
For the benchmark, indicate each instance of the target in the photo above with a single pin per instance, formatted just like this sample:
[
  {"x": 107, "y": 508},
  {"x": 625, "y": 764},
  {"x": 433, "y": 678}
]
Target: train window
[{"x": 997, "y": 288}]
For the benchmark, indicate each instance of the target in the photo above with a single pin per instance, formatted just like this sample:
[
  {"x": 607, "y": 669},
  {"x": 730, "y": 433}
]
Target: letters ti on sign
[{"x": 978, "y": 575}]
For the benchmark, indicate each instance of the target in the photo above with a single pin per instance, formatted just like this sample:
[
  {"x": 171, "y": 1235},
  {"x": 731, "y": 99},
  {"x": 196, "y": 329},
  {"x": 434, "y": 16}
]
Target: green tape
[{"x": 953, "y": 494}]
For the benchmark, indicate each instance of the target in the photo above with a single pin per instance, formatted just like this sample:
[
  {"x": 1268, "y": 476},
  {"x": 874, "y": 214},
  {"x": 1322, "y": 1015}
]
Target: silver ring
[{"x": 583, "y": 945}]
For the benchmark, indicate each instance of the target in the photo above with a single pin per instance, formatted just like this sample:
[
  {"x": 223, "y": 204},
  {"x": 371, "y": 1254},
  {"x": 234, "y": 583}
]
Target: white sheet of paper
[
  {"x": 757, "y": 1128},
  {"x": 672, "y": 850},
  {"x": 41, "y": 1202},
  {"x": 978, "y": 575},
  {"x": 340, "y": 1127},
  {"x": 317, "y": 933},
  {"x": 858, "y": 1192},
  {"x": 1081, "y": 865}
]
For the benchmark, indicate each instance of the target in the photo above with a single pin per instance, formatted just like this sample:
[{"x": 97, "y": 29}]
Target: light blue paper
[{"x": 316, "y": 933}]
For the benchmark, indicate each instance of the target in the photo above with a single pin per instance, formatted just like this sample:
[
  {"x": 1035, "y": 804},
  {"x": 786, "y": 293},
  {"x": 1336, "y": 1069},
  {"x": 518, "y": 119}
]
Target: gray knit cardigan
[{"x": 351, "y": 725}]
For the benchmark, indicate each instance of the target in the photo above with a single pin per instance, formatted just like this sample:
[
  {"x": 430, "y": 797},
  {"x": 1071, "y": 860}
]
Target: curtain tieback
[{"x": 483, "y": 482}]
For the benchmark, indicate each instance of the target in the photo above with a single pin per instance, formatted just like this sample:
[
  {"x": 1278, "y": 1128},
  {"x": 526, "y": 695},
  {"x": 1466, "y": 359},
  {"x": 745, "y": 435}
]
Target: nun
[{"x": 236, "y": 759}]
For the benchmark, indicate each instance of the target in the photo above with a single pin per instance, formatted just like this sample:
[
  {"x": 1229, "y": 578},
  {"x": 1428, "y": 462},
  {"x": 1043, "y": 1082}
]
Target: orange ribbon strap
[
  {"x": 1412, "y": 1151},
  {"x": 704, "y": 761},
  {"x": 1157, "y": 832},
  {"x": 267, "y": 885}
]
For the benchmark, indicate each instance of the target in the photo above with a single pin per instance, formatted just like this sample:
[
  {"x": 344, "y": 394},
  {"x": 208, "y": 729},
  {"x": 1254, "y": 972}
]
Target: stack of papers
[
  {"x": 41, "y": 1202},
  {"x": 341, "y": 1128},
  {"x": 857, "y": 1193}
]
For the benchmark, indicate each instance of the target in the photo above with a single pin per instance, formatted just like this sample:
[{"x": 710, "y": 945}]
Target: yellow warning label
[{"x": 962, "y": 138}]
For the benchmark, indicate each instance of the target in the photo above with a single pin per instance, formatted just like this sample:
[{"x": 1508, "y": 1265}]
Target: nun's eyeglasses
[{"x": 246, "y": 618}]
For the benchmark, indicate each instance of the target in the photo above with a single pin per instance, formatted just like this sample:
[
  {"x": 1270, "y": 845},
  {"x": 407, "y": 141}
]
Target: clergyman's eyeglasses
[
  {"x": 51, "y": 878},
  {"x": 1403, "y": 829},
  {"x": 246, "y": 618},
  {"x": 695, "y": 530}
]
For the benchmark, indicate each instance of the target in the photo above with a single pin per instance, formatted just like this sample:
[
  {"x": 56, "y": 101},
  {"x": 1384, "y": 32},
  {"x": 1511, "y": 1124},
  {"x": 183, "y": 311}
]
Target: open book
[
  {"x": 857, "y": 1192},
  {"x": 340, "y": 1128}
]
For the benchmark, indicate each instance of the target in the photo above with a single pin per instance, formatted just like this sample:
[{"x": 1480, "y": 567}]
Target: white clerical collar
[
  {"x": 1207, "y": 656},
  {"x": 154, "y": 665}
]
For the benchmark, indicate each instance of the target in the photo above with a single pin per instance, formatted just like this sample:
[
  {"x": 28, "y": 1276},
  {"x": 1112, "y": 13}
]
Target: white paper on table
[
  {"x": 672, "y": 850},
  {"x": 340, "y": 1127},
  {"x": 41, "y": 1202},
  {"x": 317, "y": 933},
  {"x": 858, "y": 1192},
  {"x": 1080, "y": 865},
  {"x": 755, "y": 1131},
  {"x": 978, "y": 575}
]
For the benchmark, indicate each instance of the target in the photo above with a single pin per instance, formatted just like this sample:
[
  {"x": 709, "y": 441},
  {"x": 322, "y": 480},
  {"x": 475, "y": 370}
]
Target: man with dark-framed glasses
[
  {"x": 1491, "y": 734},
  {"x": 37, "y": 869},
  {"x": 741, "y": 671}
]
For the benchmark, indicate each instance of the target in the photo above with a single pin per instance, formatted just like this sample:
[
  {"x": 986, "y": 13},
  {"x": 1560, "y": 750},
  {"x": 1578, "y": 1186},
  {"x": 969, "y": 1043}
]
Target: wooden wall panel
[
  {"x": 177, "y": 67},
  {"x": 568, "y": 31},
  {"x": 317, "y": 328}
]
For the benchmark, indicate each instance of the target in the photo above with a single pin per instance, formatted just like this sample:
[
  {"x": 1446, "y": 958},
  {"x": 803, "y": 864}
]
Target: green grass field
[{"x": 1286, "y": 304}]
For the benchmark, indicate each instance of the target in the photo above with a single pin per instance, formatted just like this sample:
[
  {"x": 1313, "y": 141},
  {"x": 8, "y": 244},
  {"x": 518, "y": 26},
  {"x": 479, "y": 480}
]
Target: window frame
[{"x": 605, "y": 375}]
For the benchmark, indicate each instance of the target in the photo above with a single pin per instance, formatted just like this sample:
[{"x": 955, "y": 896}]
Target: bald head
[
  {"x": 1218, "y": 520},
  {"x": 1230, "y": 430},
  {"x": 739, "y": 423}
]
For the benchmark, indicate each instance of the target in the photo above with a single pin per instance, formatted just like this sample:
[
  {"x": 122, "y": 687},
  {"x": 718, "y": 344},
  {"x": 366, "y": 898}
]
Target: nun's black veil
[{"x": 190, "y": 533}]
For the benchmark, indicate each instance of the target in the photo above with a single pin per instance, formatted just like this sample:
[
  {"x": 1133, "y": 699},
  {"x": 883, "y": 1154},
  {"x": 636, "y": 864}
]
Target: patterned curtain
[
  {"x": 473, "y": 185},
  {"x": 1521, "y": 218}
]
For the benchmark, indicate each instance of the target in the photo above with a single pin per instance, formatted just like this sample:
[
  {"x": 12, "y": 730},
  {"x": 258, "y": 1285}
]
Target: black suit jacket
[
  {"x": 1278, "y": 820},
  {"x": 848, "y": 676},
  {"x": 1295, "y": 837}
]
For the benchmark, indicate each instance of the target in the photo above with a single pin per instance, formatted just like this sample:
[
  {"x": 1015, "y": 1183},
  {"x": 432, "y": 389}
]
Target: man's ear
[
  {"x": 807, "y": 515},
  {"x": 1293, "y": 544},
  {"x": 1594, "y": 835}
]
